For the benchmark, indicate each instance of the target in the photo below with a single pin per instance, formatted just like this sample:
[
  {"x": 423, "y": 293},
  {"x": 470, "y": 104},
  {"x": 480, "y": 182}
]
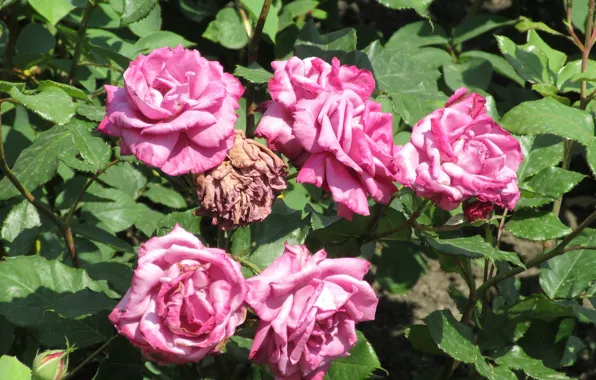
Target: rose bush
[
  {"x": 185, "y": 299},
  {"x": 108, "y": 260},
  {"x": 175, "y": 112},
  {"x": 308, "y": 307}
]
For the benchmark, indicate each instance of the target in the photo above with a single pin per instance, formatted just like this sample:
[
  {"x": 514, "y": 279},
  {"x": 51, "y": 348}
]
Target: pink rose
[
  {"x": 458, "y": 152},
  {"x": 297, "y": 79},
  {"x": 350, "y": 142},
  {"x": 185, "y": 300},
  {"x": 176, "y": 111},
  {"x": 308, "y": 306}
]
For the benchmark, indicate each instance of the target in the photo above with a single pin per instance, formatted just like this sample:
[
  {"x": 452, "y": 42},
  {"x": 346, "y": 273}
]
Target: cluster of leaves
[{"x": 111, "y": 204}]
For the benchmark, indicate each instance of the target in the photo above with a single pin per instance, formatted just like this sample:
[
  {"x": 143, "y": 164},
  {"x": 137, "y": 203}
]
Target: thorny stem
[
  {"x": 585, "y": 49},
  {"x": 247, "y": 263},
  {"x": 558, "y": 250},
  {"x": 65, "y": 231},
  {"x": 408, "y": 223},
  {"x": 81, "y": 34},
  {"x": 89, "y": 182},
  {"x": 253, "y": 51},
  {"x": 90, "y": 358}
]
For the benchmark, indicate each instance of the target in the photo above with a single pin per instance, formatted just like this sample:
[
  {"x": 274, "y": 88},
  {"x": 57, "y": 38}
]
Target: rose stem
[
  {"x": 253, "y": 51},
  {"x": 66, "y": 232},
  {"x": 81, "y": 34}
]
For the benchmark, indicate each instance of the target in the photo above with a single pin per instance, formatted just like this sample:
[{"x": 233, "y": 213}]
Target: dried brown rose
[{"x": 241, "y": 190}]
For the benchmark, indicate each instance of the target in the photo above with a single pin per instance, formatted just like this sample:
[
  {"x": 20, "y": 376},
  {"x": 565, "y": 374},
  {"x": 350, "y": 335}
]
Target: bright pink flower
[
  {"x": 176, "y": 111},
  {"x": 458, "y": 152},
  {"x": 297, "y": 79},
  {"x": 308, "y": 306},
  {"x": 185, "y": 300},
  {"x": 321, "y": 118}
]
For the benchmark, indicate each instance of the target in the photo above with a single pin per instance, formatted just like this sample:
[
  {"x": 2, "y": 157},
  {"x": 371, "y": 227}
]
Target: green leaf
[
  {"x": 53, "y": 331},
  {"x": 411, "y": 82},
  {"x": 547, "y": 116},
  {"x": 271, "y": 23},
  {"x": 161, "y": 39},
  {"x": 579, "y": 15},
  {"x": 147, "y": 219},
  {"x": 115, "y": 215},
  {"x": 284, "y": 225},
  {"x": 134, "y": 10},
  {"x": 37, "y": 164},
  {"x": 76, "y": 164},
  {"x": 165, "y": 196},
  {"x": 125, "y": 177},
  {"x": 416, "y": 35},
  {"x": 91, "y": 112},
  {"x": 570, "y": 275},
  {"x": 591, "y": 155},
  {"x": 70, "y": 90},
  {"x": 569, "y": 77},
  {"x": 51, "y": 103},
  {"x": 35, "y": 39},
  {"x": 254, "y": 73},
  {"x": 95, "y": 233},
  {"x": 33, "y": 286},
  {"x": 198, "y": 10},
  {"x": 537, "y": 226},
  {"x": 419, "y": 336},
  {"x": 530, "y": 62},
  {"x": 82, "y": 304},
  {"x": 515, "y": 358},
  {"x": 6, "y": 336},
  {"x": 478, "y": 25},
  {"x": 227, "y": 29},
  {"x": 399, "y": 267},
  {"x": 540, "y": 152},
  {"x": 12, "y": 368},
  {"x": 93, "y": 149},
  {"x": 455, "y": 339},
  {"x": 473, "y": 73},
  {"x": 20, "y": 219},
  {"x": 473, "y": 247},
  {"x": 186, "y": 219},
  {"x": 573, "y": 348},
  {"x": 360, "y": 364},
  {"x": 7, "y": 86},
  {"x": 311, "y": 43},
  {"x": 420, "y": 6},
  {"x": 499, "y": 64},
  {"x": 525, "y": 24},
  {"x": 52, "y": 11},
  {"x": 119, "y": 59},
  {"x": 104, "y": 16},
  {"x": 148, "y": 25},
  {"x": 554, "y": 182},
  {"x": 556, "y": 59},
  {"x": 295, "y": 9},
  {"x": 390, "y": 220}
]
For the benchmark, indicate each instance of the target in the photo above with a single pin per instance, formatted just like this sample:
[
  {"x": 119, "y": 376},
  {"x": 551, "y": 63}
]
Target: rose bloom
[
  {"x": 175, "y": 112},
  {"x": 297, "y": 79},
  {"x": 458, "y": 152},
  {"x": 185, "y": 300},
  {"x": 322, "y": 119},
  {"x": 308, "y": 308}
]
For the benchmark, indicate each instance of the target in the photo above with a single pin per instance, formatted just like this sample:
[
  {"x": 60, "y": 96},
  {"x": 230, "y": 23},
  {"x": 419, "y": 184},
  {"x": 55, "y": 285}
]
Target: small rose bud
[
  {"x": 241, "y": 190},
  {"x": 50, "y": 365},
  {"x": 477, "y": 210}
]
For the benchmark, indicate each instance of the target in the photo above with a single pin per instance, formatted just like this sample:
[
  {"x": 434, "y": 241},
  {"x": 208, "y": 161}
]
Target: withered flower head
[{"x": 241, "y": 190}]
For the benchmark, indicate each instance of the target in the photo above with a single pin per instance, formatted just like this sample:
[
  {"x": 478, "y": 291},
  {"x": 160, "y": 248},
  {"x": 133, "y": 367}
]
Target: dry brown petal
[{"x": 241, "y": 190}]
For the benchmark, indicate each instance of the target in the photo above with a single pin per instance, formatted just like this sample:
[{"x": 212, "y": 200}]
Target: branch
[
  {"x": 247, "y": 263},
  {"x": 88, "y": 360},
  {"x": 253, "y": 52},
  {"x": 81, "y": 33},
  {"x": 558, "y": 250},
  {"x": 66, "y": 233},
  {"x": 408, "y": 223},
  {"x": 569, "y": 25}
]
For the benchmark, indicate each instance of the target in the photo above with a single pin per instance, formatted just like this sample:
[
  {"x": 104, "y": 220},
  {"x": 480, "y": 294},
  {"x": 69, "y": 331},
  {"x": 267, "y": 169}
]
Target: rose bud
[
  {"x": 242, "y": 189},
  {"x": 476, "y": 210},
  {"x": 50, "y": 365}
]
